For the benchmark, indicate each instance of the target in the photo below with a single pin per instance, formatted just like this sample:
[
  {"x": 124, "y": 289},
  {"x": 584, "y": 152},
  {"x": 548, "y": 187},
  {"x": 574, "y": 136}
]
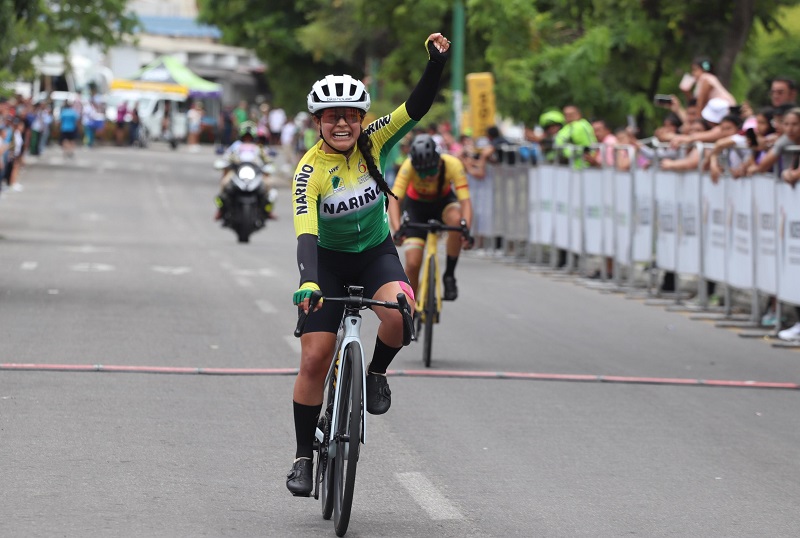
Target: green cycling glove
[{"x": 305, "y": 291}]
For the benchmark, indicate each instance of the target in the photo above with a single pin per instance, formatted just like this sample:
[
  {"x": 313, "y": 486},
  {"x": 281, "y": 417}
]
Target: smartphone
[
  {"x": 662, "y": 100},
  {"x": 735, "y": 110},
  {"x": 752, "y": 139}
]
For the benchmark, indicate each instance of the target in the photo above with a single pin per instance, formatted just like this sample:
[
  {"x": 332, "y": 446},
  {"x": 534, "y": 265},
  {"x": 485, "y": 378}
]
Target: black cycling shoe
[
  {"x": 379, "y": 396},
  {"x": 300, "y": 480},
  {"x": 450, "y": 288}
]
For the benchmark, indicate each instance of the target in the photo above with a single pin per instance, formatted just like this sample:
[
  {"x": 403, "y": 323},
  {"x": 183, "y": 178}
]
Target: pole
[{"x": 457, "y": 72}]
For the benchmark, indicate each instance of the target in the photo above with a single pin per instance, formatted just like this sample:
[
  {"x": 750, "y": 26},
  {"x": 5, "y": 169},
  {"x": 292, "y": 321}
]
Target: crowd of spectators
[{"x": 703, "y": 122}]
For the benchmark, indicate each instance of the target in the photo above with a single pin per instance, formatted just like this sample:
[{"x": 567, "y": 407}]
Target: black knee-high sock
[
  {"x": 305, "y": 424},
  {"x": 450, "y": 266},
  {"x": 381, "y": 357}
]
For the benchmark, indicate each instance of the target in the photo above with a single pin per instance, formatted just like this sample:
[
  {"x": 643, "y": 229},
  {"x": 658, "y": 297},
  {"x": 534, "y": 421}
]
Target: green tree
[
  {"x": 29, "y": 28},
  {"x": 607, "y": 56}
]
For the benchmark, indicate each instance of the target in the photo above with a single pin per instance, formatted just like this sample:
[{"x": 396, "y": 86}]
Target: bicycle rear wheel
[
  {"x": 347, "y": 437},
  {"x": 430, "y": 313}
]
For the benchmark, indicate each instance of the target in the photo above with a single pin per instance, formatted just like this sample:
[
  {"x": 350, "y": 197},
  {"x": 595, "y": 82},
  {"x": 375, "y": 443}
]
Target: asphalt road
[{"x": 113, "y": 259}]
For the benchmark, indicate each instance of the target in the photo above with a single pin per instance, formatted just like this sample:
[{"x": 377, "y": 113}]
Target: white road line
[
  {"x": 266, "y": 306},
  {"x": 293, "y": 343},
  {"x": 428, "y": 497},
  {"x": 29, "y": 266}
]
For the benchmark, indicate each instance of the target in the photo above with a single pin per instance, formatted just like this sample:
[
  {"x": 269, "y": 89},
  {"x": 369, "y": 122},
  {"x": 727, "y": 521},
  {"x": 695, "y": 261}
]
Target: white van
[{"x": 151, "y": 108}]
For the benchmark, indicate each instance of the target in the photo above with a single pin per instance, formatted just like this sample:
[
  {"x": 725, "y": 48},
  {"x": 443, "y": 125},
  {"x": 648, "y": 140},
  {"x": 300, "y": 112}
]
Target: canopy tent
[{"x": 167, "y": 74}]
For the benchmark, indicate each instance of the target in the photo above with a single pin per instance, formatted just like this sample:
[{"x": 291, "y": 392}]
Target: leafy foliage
[{"x": 29, "y": 28}]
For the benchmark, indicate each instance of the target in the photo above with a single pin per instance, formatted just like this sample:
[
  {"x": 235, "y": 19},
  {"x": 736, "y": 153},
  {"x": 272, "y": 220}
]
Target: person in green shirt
[
  {"x": 578, "y": 132},
  {"x": 240, "y": 115}
]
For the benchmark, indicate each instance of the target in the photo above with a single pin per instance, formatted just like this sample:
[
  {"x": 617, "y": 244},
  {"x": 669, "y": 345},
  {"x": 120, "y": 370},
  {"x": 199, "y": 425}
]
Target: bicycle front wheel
[
  {"x": 347, "y": 437},
  {"x": 430, "y": 313}
]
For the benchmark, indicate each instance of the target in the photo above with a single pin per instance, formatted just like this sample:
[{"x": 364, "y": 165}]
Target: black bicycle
[{"x": 342, "y": 427}]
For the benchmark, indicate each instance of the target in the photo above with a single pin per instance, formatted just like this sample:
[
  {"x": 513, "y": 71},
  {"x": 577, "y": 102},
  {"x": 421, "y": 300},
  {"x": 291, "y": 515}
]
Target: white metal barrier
[{"x": 744, "y": 233}]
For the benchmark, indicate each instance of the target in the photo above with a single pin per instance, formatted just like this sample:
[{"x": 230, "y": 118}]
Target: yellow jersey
[{"x": 425, "y": 189}]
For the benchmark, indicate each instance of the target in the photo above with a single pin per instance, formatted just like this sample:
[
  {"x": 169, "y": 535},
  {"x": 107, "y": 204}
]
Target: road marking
[
  {"x": 87, "y": 249},
  {"x": 266, "y": 306},
  {"x": 171, "y": 270},
  {"x": 428, "y": 497},
  {"x": 29, "y": 266},
  {"x": 93, "y": 217},
  {"x": 92, "y": 267},
  {"x": 293, "y": 343}
]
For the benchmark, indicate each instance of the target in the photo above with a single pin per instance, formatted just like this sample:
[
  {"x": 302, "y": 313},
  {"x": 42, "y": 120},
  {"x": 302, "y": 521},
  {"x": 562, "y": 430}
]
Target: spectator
[
  {"x": 6, "y": 134},
  {"x": 194, "y": 120},
  {"x": 226, "y": 120},
  {"x": 707, "y": 86},
  {"x": 47, "y": 120},
  {"x": 122, "y": 112},
  {"x": 287, "y": 141},
  {"x": 763, "y": 132},
  {"x": 240, "y": 115},
  {"x": 276, "y": 119},
  {"x": 605, "y": 155},
  {"x": 551, "y": 123},
  {"x": 691, "y": 160},
  {"x": 712, "y": 115},
  {"x": 732, "y": 141},
  {"x": 37, "y": 128},
  {"x": 68, "y": 128},
  {"x": 576, "y": 132},
  {"x": 790, "y": 137},
  {"x": 136, "y": 123},
  {"x": 669, "y": 128},
  {"x": 623, "y": 156},
  {"x": 14, "y": 161},
  {"x": 782, "y": 91}
]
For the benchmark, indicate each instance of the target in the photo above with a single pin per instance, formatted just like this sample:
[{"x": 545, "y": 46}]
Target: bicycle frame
[
  {"x": 431, "y": 252},
  {"x": 349, "y": 332}
]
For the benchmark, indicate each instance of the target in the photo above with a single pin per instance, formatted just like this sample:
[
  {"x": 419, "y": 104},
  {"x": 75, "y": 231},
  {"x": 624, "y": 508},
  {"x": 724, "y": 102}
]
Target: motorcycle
[{"x": 245, "y": 203}]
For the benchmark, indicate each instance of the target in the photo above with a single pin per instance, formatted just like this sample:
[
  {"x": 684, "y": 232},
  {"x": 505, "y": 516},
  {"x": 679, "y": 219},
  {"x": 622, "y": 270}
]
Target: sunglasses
[{"x": 332, "y": 115}]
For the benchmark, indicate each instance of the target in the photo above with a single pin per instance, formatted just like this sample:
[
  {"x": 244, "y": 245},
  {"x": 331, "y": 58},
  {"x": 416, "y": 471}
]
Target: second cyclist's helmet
[
  {"x": 338, "y": 90},
  {"x": 248, "y": 128},
  {"x": 424, "y": 153}
]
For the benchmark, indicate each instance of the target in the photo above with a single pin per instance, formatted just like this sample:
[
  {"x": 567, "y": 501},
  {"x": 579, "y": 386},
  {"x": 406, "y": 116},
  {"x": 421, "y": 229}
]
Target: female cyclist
[{"x": 339, "y": 207}]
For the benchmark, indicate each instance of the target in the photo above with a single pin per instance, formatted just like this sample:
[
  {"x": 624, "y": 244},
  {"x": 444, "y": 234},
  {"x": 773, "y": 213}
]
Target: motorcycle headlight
[{"x": 247, "y": 173}]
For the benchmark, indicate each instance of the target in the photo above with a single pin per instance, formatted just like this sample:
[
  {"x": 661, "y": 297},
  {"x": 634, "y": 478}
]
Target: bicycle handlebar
[
  {"x": 435, "y": 226},
  {"x": 361, "y": 303}
]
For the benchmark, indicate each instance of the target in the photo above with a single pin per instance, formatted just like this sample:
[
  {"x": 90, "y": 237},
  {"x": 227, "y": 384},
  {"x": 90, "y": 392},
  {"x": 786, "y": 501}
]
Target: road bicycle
[
  {"x": 342, "y": 427},
  {"x": 429, "y": 293}
]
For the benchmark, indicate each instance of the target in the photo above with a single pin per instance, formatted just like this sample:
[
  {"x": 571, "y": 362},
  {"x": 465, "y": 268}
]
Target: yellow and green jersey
[{"x": 335, "y": 198}]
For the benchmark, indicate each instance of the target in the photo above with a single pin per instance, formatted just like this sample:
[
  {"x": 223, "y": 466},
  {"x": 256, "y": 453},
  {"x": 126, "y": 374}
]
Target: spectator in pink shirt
[{"x": 604, "y": 157}]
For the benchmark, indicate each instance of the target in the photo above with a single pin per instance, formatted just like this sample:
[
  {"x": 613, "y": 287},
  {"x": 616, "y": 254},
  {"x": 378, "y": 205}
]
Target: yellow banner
[
  {"x": 144, "y": 86},
  {"x": 480, "y": 90}
]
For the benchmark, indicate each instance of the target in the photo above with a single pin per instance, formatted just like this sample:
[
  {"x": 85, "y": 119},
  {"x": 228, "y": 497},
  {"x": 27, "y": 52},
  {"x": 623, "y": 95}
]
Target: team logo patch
[
  {"x": 337, "y": 182},
  {"x": 362, "y": 167}
]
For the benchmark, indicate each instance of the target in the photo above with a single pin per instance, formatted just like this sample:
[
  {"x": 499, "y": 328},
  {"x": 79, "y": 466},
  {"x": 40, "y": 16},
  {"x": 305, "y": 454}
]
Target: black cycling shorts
[
  {"x": 371, "y": 269},
  {"x": 424, "y": 211}
]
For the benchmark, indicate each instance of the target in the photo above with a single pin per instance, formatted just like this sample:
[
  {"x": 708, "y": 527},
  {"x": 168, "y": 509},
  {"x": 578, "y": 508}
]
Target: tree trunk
[{"x": 741, "y": 22}]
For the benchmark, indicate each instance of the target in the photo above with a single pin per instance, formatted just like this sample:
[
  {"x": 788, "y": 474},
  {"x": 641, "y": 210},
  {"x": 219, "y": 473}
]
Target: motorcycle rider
[{"x": 246, "y": 149}]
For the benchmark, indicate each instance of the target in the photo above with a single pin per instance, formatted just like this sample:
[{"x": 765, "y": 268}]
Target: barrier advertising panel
[
  {"x": 666, "y": 211},
  {"x": 764, "y": 212},
  {"x": 688, "y": 255},
  {"x": 593, "y": 210},
  {"x": 739, "y": 233},
  {"x": 714, "y": 234},
  {"x": 788, "y": 243}
]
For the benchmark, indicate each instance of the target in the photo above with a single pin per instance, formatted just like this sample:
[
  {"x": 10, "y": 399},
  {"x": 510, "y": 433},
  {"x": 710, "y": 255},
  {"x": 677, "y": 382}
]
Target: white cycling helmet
[{"x": 338, "y": 90}]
